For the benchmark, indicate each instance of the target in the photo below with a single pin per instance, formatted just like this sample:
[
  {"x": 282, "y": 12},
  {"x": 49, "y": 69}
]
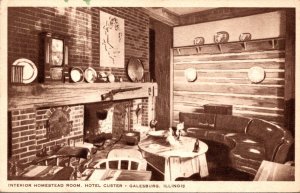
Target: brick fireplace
[{"x": 28, "y": 127}]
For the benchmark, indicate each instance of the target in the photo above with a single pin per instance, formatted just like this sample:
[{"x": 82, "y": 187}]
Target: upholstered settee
[{"x": 249, "y": 140}]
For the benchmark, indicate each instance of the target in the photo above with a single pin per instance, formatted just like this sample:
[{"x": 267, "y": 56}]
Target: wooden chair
[
  {"x": 120, "y": 163},
  {"x": 69, "y": 153},
  {"x": 64, "y": 156},
  {"x": 47, "y": 160},
  {"x": 128, "y": 153}
]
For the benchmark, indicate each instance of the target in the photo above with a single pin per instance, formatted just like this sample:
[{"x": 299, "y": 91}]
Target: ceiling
[
  {"x": 172, "y": 15},
  {"x": 186, "y": 10}
]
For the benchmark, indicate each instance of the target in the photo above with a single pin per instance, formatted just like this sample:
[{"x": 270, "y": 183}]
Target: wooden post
[
  {"x": 171, "y": 86},
  {"x": 289, "y": 86}
]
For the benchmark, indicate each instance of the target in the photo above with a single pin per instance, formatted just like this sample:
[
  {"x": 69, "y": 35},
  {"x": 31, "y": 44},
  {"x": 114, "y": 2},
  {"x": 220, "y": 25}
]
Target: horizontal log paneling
[
  {"x": 230, "y": 100},
  {"x": 228, "y": 74},
  {"x": 275, "y": 54},
  {"x": 229, "y": 65},
  {"x": 222, "y": 78},
  {"x": 229, "y": 88},
  {"x": 262, "y": 111},
  {"x": 275, "y": 119},
  {"x": 245, "y": 80},
  {"x": 259, "y": 110}
]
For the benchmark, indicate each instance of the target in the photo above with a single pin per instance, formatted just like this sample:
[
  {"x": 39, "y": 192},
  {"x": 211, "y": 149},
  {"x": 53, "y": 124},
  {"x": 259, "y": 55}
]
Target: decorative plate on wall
[
  {"x": 29, "y": 69},
  {"x": 135, "y": 69},
  {"x": 77, "y": 74},
  {"x": 190, "y": 74},
  {"x": 256, "y": 74},
  {"x": 90, "y": 75}
]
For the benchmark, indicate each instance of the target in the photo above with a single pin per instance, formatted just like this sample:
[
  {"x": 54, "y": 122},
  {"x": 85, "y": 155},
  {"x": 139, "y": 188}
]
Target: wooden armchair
[
  {"x": 129, "y": 159},
  {"x": 47, "y": 160},
  {"x": 128, "y": 153},
  {"x": 120, "y": 164},
  {"x": 63, "y": 156}
]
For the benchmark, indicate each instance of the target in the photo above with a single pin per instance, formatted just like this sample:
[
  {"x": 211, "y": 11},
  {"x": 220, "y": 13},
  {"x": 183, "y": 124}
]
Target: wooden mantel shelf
[{"x": 48, "y": 95}]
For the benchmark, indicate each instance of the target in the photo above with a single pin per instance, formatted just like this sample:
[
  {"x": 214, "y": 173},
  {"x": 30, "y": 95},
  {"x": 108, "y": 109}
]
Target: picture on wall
[{"x": 111, "y": 40}]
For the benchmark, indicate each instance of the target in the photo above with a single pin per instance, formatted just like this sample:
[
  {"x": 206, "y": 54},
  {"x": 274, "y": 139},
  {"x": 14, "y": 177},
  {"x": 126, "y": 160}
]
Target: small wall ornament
[
  {"x": 199, "y": 41},
  {"x": 221, "y": 37},
  {"x": 190, "y": 74},
  {"x": 256, "y": 74},
  {"x": 245, "y": 37}
]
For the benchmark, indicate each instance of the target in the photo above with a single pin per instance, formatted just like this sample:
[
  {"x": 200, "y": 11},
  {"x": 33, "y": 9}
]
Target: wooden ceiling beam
[{"x": 163, "y": 15}]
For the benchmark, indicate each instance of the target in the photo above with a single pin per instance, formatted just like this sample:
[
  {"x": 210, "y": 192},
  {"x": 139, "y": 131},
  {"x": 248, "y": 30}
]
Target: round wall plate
[
  {"x": 256, "y": 74},
  {"x": 135, "y": 69},
  {"x": 29, "y": 69},
  {"x": 90, "y": 75},
  {"x": 76, "y": 74},
  {"x": 190, "y": 74}
]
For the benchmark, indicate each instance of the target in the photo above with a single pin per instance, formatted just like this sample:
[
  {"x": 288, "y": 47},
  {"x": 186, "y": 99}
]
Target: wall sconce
[
  {"x": 256, "y": 74},
  {"x": 190, "y": 74}
]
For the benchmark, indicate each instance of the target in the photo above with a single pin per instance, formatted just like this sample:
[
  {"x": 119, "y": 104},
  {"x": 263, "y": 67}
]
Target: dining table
[
  {"x": 95, "y": 174},
  {"x": 173, "y": 161},
  {"x": 40, "y": 172}
]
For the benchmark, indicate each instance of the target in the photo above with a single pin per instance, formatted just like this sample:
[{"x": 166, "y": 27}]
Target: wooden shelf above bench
[
  {"x": 230, "y": 47},
  {"x": 45, "y": 95}
]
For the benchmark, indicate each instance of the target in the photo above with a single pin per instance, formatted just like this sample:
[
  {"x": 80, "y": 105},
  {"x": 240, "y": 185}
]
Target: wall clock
[
  {"x": 54, "y": 58},
  {"x": 111, "y": 40}
]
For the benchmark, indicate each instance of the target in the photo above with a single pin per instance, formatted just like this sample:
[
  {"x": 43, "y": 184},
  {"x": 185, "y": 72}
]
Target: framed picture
[{"x": 111, "y": 40}]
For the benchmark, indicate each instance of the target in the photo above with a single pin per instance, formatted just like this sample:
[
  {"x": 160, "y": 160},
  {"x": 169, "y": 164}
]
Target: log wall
[{"x": 222, "y": 78}]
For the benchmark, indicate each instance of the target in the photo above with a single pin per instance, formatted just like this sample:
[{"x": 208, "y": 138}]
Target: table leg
[{"x": 203, "y": 165}]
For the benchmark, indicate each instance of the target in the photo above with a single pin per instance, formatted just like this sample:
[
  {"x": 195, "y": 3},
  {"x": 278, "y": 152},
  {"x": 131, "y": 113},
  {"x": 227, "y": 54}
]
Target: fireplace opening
[{"x": 106, "y": 118}]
